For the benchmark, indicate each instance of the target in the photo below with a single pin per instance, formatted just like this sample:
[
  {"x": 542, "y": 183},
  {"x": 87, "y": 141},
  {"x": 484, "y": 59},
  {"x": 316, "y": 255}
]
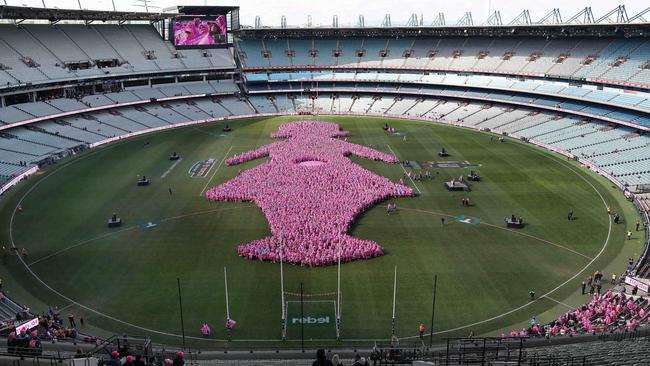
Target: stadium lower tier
[{"x": 620, "y": 151}]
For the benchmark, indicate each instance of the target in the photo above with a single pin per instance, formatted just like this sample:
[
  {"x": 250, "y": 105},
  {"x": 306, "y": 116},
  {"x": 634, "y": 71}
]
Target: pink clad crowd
[
  {"x": 604, "y": 313},
  {"x": 310, "y": 193}
]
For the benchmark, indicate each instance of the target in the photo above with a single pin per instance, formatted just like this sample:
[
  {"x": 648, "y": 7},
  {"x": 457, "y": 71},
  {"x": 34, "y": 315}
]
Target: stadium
[{"x": 178, "y": 187}]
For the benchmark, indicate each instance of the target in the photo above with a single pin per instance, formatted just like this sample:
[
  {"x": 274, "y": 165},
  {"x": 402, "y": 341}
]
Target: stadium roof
[
  {"x": 201, "y": 10},
  {"x": 614, "y": 23},
  {"x": 20, "y": 13},
  {"x": 551, "y": 31},
  {"x": 55, "y": 15}
]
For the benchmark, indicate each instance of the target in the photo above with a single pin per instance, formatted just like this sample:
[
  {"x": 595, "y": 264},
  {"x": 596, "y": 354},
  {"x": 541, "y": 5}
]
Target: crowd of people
[
  {"x": 322, "y": 360},
  {"x": 24, "y": 344},
  {"x": 51, "y": 328},
  {"x": 125, "y": 358},
  {"x": 310, "y": 207},
  {"x": 606, "y": 312}
]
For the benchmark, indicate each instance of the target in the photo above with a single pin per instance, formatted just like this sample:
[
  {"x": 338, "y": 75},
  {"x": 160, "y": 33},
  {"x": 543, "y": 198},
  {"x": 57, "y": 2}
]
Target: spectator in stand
[
  {"x": 114, "y": 360},
  {"x": 335, "y": 361},
  {"x": 421, "y": 330},
  {"x": 71, "y": 320},
  {"x": 321, "y": 359},
  {"x": 604, "y": 313},
  {"x": 12, "y": 343},
  {"x": 179, "y": 359},
  {"x": 360, "y": 361},
  {"x": 128, "y": 361},
  {"x": 138, "y": 361}
]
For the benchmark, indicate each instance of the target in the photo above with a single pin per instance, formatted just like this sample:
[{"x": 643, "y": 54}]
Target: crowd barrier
[{"x": 17, "y": 179}]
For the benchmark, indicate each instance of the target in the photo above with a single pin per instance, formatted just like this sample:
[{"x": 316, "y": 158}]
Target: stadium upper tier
[
  {"x": 622, "y": 61},
  {"x": 40, "y": 53}
]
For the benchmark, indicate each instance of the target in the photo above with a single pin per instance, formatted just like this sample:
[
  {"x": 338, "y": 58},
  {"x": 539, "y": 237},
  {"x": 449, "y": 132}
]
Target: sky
[{"x": 348, "y": 11}]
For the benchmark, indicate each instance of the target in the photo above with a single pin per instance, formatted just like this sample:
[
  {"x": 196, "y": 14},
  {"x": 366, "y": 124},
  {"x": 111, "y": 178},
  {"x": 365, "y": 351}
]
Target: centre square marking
[
  {"x": 201, "y": 168},
  {"x": 433, "y": 164},
  {"x": 468, "y": 220}
]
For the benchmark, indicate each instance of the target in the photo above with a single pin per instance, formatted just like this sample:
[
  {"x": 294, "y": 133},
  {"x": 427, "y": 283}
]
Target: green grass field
[{"x": 125, "y": 279}]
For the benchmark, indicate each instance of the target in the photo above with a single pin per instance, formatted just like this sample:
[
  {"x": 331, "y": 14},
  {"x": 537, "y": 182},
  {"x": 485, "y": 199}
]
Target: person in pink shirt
[{"x": 310, "y": 193}]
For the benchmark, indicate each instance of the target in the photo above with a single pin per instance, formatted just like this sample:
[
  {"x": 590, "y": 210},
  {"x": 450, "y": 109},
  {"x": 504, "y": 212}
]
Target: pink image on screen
[{"x": 200, "y": 32}]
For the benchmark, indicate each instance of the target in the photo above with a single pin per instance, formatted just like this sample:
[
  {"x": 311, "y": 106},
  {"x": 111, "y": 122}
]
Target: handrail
[{"x": 645, "y": 255}]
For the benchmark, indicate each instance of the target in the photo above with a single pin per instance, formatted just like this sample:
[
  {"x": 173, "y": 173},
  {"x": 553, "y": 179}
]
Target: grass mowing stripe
[
  {"x": 81, "y": 243},
  {"x": 502, "y": 228},
  {"x": 130, "y": 228},
  {"x": 559, "y": 302},
  {"x": 609, "y": 232},
  {"x": 191, "y": 247}
]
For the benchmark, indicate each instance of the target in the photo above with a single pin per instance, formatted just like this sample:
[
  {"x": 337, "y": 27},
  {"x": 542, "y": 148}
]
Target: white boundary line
[
  {"x": 54, "y": 254},
  {"x": 500, "y": 228},
  {"x": 130, "y": 228},
  {"x": 66, "y": 307},
  {"x": 275, "y": 340},
  {"x": 171, "y": 168},
  {"x": 215, "y": 171},
  {"x": 559, "y": 302},
  {"x": 405, "y": 172},
  {"x": 609, "y": 232}
]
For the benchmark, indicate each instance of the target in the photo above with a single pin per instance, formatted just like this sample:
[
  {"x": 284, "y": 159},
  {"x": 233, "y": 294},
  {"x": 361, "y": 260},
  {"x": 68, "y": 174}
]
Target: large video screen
[{"x": 200, "y": 32}]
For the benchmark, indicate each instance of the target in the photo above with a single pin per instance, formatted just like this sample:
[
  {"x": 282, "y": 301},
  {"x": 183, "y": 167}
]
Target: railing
[
  {"x": 472, "y": 351},
  {"x": 643, "y": 258}
]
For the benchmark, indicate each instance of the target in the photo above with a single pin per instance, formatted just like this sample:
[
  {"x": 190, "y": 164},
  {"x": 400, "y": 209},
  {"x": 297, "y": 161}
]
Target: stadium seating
[
  {"x": 22, "y": 147},
  {"x": 39, "y": 53},
  {"x": 584, "y": 97},
  {"x": 562, "y": 58}
]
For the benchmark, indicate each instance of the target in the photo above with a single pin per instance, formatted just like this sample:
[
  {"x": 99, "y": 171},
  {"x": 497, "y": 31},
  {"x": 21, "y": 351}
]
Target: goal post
[
  {"x": 283, "y": 322},
  {"x": 315, "y": 312},
  {"x": 319, "y": 305}
]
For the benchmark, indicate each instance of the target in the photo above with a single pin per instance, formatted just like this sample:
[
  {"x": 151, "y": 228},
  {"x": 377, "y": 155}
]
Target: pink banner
[
  {"x": 634, "y": 282},
  {"x": 27, "y": 326}
]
